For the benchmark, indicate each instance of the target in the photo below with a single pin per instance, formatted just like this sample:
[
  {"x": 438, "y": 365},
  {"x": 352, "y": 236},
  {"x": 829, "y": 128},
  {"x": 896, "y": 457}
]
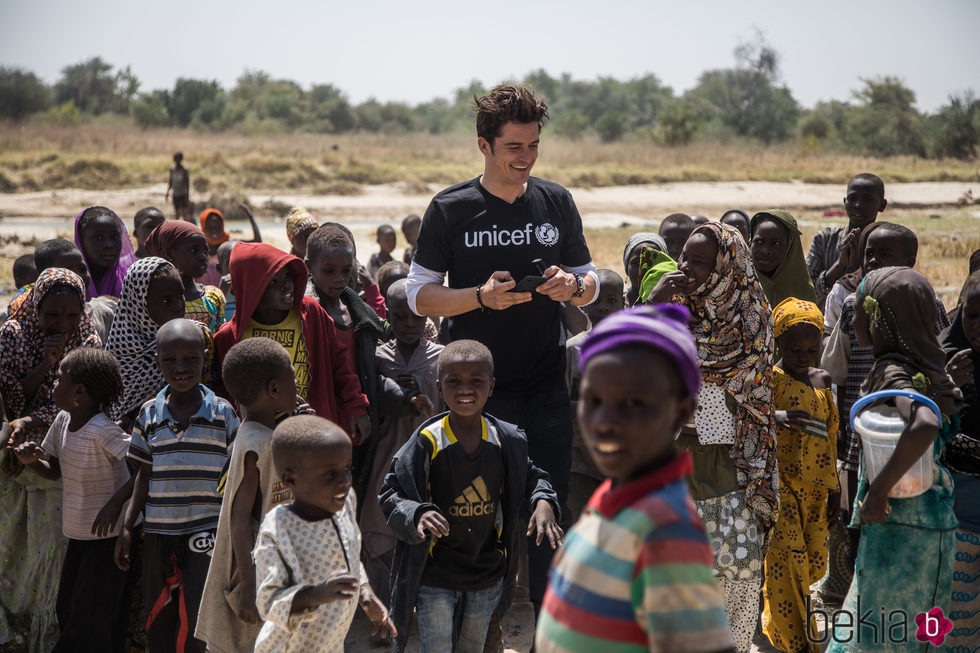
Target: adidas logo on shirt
[{"x": 474, "y": 501}]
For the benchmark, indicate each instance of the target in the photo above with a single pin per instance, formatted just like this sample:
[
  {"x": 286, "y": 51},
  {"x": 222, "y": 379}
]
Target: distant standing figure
[{"x": 180, "y": 185}]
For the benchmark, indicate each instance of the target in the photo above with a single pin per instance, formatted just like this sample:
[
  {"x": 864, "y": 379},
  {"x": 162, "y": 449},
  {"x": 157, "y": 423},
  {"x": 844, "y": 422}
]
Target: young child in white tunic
[{"x": 308, "y": 552}]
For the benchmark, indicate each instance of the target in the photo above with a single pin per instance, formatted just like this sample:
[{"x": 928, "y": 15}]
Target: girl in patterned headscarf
[
  {"x": 152, "y": 294},
  {"x": 48, "y": 325},
  {"x": 101, "y": 237},
  {"x": 735, "y": 483}
]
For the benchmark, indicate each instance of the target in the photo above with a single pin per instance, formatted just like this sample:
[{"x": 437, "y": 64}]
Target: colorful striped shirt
[
  {"x": 187, "y": 465},
  {"x": 635, "y": 574}
]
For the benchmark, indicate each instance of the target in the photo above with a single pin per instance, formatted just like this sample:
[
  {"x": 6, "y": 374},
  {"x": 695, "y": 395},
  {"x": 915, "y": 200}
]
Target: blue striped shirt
[{"x": 187, "y": 465}]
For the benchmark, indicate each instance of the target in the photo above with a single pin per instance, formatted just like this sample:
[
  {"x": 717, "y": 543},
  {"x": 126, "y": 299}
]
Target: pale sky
[{"x": 417, "y": 50}]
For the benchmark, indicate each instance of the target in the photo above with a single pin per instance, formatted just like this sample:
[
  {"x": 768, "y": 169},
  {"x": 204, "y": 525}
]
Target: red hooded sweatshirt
[{"x": 335, "y": 392}]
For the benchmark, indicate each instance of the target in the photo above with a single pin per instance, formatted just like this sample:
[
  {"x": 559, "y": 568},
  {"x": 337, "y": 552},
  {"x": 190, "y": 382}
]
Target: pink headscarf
[{"x": 112, "y": 281}]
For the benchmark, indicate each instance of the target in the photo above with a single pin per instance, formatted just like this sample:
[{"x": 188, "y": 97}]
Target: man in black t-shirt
[{"x": 485, "y": 234}]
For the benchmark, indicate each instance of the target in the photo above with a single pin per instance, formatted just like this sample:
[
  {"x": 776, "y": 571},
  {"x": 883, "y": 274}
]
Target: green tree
[
  {"x": 747, "y": 98},
  {"x": 21, "y": 93},
  {"x": 89, "y": 85},
  {"x": 126, "y": 87},
  {"x": 958, "y": 126},
  {"x": 150, "y": 109},
  {"x": 571, "y": 123},
  {"x": 886, "y": 123},
  {"x": 188, "y": 96},
  {"x": 330, "y": 112},
  {"x": 679, "y": 122},
  {"x": 611, "y": 126}
]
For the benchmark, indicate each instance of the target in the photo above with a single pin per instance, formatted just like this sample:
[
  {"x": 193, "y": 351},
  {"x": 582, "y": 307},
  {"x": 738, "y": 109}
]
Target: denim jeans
[{"x": 455, "y": 622}]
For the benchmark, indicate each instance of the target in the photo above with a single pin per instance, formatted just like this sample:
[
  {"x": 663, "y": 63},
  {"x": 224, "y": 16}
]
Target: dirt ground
[{"x": 600, "y": 207}]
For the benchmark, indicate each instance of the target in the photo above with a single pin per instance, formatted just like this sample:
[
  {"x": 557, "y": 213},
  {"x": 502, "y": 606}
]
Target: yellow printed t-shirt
[{"x": 289, "y": 334}]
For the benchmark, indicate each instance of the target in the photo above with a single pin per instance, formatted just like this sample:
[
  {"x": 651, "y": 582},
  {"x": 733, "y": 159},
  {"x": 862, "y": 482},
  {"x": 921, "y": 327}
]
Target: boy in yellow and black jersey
[{"x": 455, "y": 498}]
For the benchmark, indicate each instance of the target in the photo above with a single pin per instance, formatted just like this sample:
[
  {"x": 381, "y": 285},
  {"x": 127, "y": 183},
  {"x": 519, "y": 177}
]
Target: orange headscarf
[{"x": 225, "y": 236}]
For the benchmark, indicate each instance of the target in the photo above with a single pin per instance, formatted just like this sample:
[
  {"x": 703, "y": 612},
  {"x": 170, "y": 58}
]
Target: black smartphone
[{"x": 528, "y": 283}]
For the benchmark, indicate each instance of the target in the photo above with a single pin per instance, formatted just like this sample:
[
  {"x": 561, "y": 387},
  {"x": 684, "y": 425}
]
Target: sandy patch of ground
[{"x": 599, "y": 206}]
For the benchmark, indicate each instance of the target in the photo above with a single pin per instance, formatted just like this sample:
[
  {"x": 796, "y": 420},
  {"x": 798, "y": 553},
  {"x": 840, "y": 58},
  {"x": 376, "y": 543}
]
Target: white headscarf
[{"x": 132, "y": 338}]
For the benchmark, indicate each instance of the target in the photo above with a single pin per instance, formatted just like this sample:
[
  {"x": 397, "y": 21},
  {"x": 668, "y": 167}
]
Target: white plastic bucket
[{"x": 880, "y": 428}]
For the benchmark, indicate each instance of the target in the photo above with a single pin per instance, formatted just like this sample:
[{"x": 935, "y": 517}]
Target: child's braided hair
[{"x": 98, "y": 371}]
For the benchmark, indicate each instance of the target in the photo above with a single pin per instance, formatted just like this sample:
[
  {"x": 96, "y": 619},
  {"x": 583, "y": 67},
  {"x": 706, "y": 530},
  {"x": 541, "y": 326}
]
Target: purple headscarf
[
  {"x": 662, "y": 327},
  {"x": 112, "y": 281}
]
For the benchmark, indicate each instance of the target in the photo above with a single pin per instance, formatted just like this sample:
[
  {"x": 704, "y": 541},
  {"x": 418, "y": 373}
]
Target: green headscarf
[
  {"x": 653, "y": 265},
  {"x": 791, "y": 277}
]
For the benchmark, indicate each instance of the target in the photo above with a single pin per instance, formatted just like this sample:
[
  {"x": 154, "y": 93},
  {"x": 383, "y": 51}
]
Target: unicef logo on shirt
[{"x": 546, "y": 234}]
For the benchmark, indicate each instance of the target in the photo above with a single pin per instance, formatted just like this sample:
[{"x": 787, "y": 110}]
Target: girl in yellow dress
[{"x": 806, "y": 448}]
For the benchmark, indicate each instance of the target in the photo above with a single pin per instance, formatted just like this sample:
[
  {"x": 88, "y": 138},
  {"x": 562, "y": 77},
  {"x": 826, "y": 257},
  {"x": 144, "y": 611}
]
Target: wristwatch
[{"x": 580, "y": 283}]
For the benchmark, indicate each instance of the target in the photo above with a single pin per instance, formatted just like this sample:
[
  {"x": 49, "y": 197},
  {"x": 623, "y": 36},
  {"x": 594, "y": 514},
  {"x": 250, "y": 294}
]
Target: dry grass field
[{"x": 36, "y": 157}]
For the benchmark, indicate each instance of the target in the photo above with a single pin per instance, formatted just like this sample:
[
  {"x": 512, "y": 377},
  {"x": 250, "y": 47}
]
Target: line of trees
[{"x": 747, "y": 101}]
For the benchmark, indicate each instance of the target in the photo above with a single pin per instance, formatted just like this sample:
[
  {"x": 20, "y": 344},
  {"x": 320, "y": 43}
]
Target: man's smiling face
[{"x": 511, "y": 155}]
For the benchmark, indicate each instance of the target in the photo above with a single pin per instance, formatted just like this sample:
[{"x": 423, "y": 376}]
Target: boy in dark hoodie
[
  {"x": 456, "y": 498},
  {"x": 268, "y": 285}
]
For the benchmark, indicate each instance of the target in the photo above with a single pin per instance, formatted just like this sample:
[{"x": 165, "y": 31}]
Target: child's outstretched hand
[
  {"x": 787, "y": 419},
  {"x": 377, "y": 613},
  {"x": 433, "y": 522},
  {"x": 107, "y": 517},
  {"x": 29, "y": 452},
  {"x": 543, "y": 521},
  {"x": 339, "y": 586}
]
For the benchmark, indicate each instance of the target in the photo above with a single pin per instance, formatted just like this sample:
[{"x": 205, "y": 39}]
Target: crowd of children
[{"x": 217, "y": 445}]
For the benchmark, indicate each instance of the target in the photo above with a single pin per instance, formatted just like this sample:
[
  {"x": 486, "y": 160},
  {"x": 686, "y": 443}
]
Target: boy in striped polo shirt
[
  {"x": 181, "y": 442},
  {"x": 635, "y": 573}
]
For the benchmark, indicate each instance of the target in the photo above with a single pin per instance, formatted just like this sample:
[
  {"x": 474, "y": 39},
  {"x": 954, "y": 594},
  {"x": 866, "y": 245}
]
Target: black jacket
[{"x": 404, "y": 497}]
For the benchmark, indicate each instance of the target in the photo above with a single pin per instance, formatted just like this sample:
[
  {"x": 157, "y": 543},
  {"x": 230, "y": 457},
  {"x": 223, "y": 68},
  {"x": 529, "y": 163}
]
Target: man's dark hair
[
  {"x": 464, "y": 350},
  {"x": 504, "y": 104},
  {"x": 46, "y": 253},
  {"x": 25, "y": 270},
  {"x": 250, "y": 365}
]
